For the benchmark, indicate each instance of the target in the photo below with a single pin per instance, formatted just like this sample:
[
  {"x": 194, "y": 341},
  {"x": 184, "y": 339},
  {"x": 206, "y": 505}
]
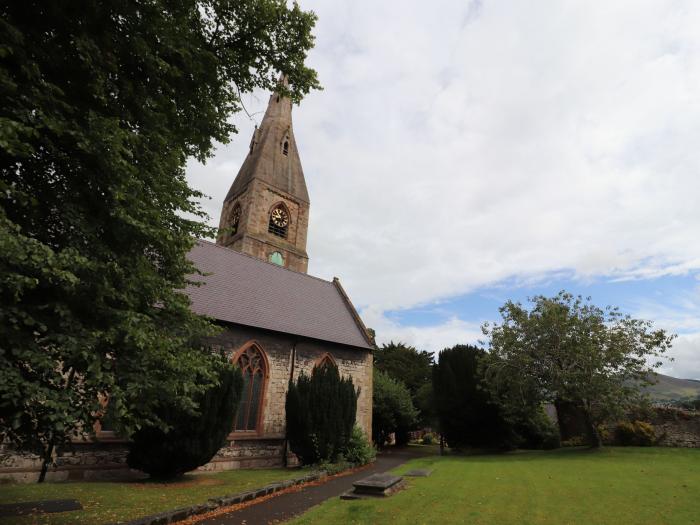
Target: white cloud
[
  {"x": 456, "y": 145},
  {"x": 431, "y": 338},
  {"x": 686, "y": 354}
]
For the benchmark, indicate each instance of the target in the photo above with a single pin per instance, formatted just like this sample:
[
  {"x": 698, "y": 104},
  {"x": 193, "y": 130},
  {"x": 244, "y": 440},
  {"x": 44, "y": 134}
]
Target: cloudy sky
[{"x": 465, "y": 153}]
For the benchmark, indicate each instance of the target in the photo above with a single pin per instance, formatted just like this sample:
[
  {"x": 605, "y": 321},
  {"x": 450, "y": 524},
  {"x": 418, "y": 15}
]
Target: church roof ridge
[{"x": 267, "y": 262}]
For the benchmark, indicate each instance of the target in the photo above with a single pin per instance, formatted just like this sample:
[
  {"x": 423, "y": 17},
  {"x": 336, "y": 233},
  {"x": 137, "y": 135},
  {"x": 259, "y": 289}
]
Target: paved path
[{"x": 286, "y": 506}]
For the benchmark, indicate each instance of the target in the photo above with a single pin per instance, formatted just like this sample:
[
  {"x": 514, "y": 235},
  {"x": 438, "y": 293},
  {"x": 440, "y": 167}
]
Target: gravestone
[
  {"x": 376, "y": 485},
  {"x": 419, "y": 473},
  {"x": 39, "y": 507}
]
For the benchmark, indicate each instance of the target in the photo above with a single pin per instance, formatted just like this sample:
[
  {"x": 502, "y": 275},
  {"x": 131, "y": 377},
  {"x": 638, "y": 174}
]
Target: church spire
[
  {"x": 265, "y": 212},
  {"x": 273, "y": 155}
]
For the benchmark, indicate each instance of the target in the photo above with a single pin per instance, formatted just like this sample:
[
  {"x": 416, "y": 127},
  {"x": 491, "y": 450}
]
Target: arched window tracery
[
  {"x": 235, "y": 218},
  {"x": 325, "y": 360},
  {"x": 252, "y": 363}
]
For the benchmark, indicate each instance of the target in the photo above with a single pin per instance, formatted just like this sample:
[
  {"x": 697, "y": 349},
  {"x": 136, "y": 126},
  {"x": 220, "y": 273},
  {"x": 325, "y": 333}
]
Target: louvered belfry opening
[{"x": 252, "y": 365}]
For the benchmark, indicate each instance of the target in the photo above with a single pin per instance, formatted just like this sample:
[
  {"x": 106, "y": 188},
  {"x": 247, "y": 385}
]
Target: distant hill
[{"x": 670, "y": 388}]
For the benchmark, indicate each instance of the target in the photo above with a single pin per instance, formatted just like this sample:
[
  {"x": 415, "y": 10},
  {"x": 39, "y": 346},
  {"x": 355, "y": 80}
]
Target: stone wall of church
[
  {"x": 266, "y": 447},
  {"x": 105, "y": 458}
]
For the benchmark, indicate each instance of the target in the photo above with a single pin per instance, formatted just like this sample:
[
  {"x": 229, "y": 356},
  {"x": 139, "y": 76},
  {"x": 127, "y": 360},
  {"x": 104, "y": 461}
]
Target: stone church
[{"x": 277, "y": 321}]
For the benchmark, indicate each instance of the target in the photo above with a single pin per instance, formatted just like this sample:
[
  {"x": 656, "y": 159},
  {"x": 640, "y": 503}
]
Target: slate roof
[{"x": 247, "y": 291}]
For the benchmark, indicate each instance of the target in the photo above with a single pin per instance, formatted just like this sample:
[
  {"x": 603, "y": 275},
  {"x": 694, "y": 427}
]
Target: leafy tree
[
  {"x": 101, "y": 105},
  {"x": 392, "y": 408},
  {"x": 468, "y": 415},
  {"x": 413, "y": 368},
  {"x": 320, "y": 411},
  {"x": 565, "y": 349},
  {"x": 192, "y": 440}
]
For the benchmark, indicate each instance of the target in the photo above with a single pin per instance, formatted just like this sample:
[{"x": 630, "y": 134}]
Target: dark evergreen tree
[
  {"x": 192, "y": 440},
  {"x": 320, "y": 414},
  {"x": 467, "y": 414}
]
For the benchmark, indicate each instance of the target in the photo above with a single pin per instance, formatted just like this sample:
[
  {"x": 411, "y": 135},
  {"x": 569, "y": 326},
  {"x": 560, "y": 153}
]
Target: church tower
[{"x": 266, "y": 211}]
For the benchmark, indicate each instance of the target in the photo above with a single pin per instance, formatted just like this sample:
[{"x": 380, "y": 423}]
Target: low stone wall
[
  {"x": 79, "y": 461},
  {"x": 96, "y": 460},
  {"x": 258, "y": 453},
  {"x": 675, "y": 427}
]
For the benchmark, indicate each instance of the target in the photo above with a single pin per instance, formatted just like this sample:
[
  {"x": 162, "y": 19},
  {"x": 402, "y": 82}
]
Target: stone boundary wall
[{"x": 676, "y": 427}]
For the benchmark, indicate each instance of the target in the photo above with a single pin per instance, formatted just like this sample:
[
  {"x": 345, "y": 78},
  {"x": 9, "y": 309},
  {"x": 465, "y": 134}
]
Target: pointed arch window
[
  {"x": 279, "y": 221},
  {"x": 252, "y": 363},
  {"x": 285, "y": 147},
  {"x": 325, "y": 360},
  {"x": 235, "y": 218}
]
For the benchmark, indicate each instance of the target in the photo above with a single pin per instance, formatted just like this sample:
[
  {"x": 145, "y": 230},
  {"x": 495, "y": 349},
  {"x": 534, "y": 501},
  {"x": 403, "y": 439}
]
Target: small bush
[
  {"x": 428, "y": 439},
  {"x": 359, "y": 450},
  {"x": 576, "y": 441},
  {"x": 538, "y": 432},
  {"x": 636, "y": 433}
]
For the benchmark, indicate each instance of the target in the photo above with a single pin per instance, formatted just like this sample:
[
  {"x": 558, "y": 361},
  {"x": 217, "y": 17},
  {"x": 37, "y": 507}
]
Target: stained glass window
[{"x": 252, "y": 366}]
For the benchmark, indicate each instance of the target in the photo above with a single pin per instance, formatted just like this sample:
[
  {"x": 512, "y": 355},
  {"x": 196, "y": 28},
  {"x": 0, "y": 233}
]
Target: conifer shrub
[
  {"x": 320, "y": 414},
  {"x": 192, "y": 440}
]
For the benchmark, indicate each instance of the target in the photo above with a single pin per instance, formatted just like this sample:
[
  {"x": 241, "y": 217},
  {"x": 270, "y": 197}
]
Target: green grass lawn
[
  {"x": 635, "y": 486},
  {"x": 105, "y": 502}
]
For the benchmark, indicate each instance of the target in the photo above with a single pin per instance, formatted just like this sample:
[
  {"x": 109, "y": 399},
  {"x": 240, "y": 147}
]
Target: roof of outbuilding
[{"x": 244, "y": 290}]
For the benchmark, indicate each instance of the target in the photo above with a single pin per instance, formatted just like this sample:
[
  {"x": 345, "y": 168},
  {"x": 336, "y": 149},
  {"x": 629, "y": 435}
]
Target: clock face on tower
[{"x": 279, "y": 217}]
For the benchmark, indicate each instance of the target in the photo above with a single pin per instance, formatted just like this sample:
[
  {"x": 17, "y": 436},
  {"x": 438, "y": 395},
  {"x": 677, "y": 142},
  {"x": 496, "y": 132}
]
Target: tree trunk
[
  {"x": 442, "y": 445},
  {"x": 594, "y": 439},
  {"x": 46, "y": 460}
]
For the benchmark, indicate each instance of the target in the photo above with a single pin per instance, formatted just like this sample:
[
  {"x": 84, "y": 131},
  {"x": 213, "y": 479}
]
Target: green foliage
[
  {"x": 413, "y": 368},
  {"x": 320, "y": 412},
  {"x": 102, "y": 104},
  {"x": 192, "y": 440},
  {"x": 392, "y": 409},
  {"x": 467, "y": 413},
  {"x": 565, "y": 349},
  {"x": 634, "y": 433},
  {"x": 428, "y": 439},
  {"x": 537, "y": 431},
  {"x": 359, "y": 450}
]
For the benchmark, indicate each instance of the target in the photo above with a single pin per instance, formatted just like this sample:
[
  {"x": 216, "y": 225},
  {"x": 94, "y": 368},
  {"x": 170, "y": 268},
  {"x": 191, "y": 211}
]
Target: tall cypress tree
[
  {"x": 468, "y": 415},
  {"x": 321, "y": 411}
]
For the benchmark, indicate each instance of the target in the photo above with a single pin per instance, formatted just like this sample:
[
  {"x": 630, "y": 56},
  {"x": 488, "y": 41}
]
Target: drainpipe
[{"x": 291, "y": 378}]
